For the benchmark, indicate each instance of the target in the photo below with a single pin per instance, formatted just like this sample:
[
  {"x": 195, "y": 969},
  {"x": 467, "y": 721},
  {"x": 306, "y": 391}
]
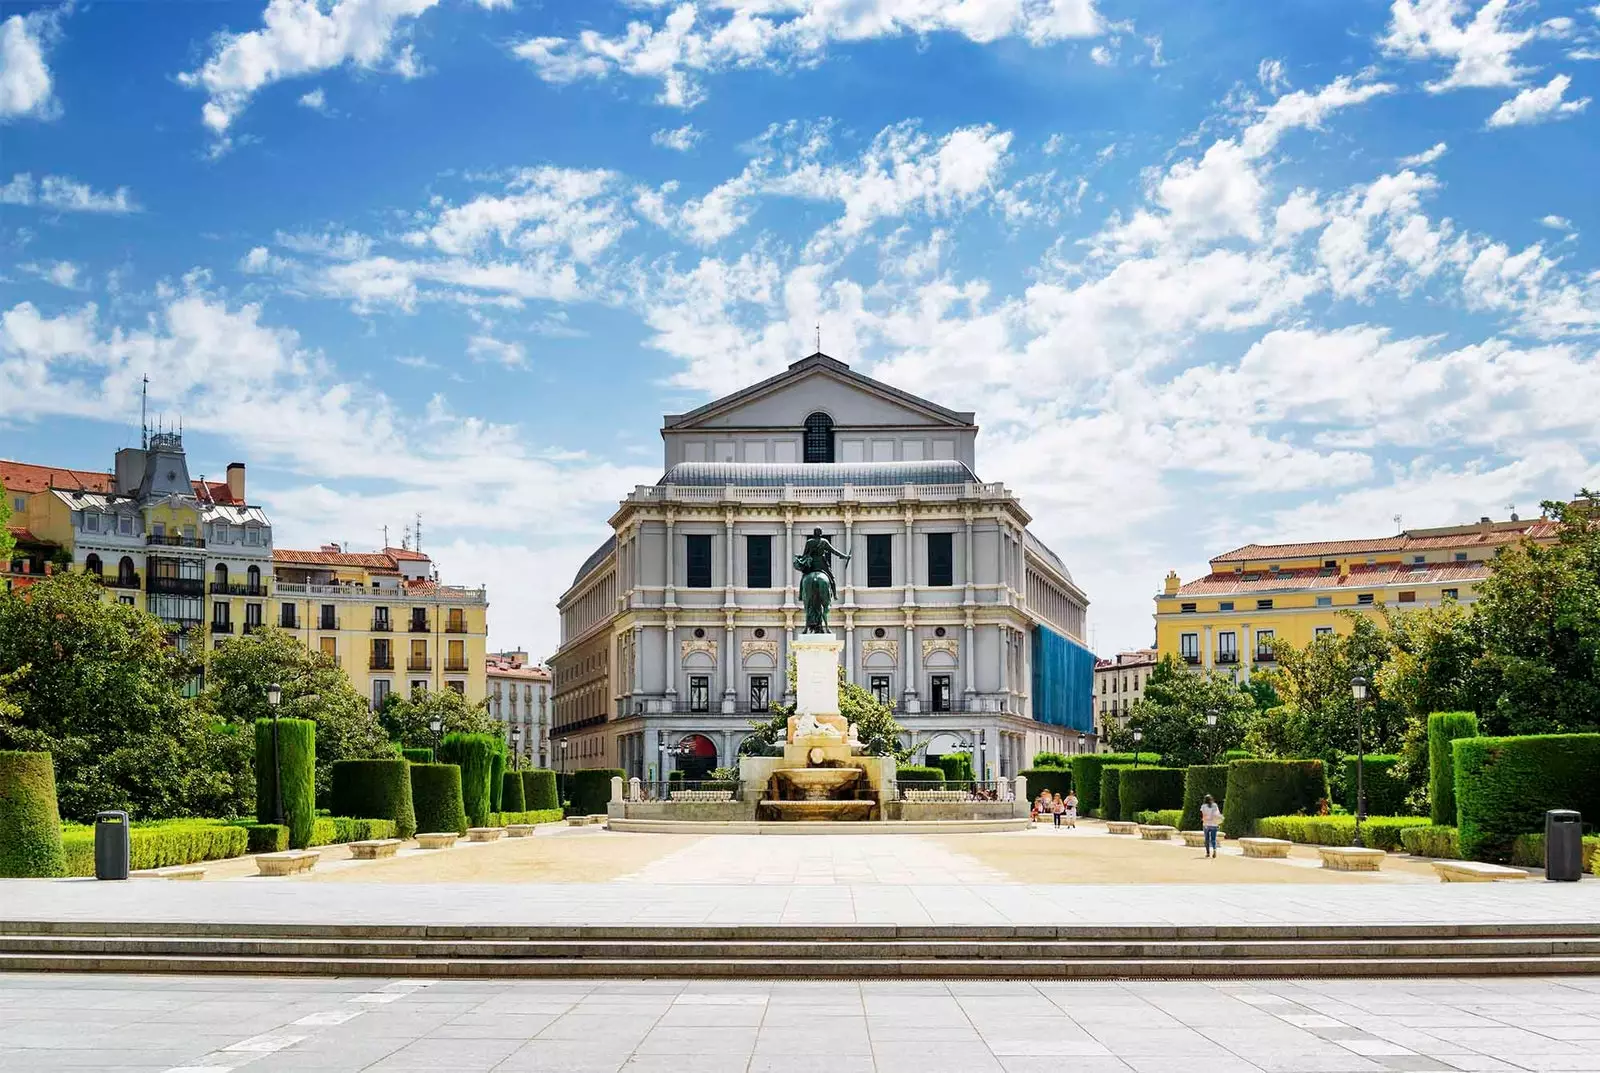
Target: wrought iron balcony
[
  {"x": 381, "y": 663},
  {"x": 1190, "y": 658},
  {"x": 221, "y": 627},
  {"x": 456, "y": 666},
  {"x": 415, "y": 664},
  {"x": 328, "y": 622},
  {"x": 223, "y": 588},
  {"x": 420, "y": 626},
  {"x": 251, "y": 627},
  {"x": 1227, "y": 657},
  {"x": 455, "y": 627},
  {"x": 168, "y": 540},
  {"x": 119, "y": 583},
  {"x": 382, "y": 625},
  {"x": 176, "y": 586}
]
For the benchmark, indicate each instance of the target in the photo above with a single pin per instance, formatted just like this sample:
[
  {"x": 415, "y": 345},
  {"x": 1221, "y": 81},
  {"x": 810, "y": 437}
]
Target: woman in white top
[{"x": 1210, "y": 819}]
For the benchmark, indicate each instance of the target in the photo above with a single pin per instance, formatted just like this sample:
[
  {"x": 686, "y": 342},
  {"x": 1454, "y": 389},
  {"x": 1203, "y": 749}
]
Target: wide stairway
[{"x": 812, "y": 952}]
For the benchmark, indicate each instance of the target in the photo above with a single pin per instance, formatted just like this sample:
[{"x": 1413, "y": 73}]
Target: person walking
[
  {"x": 1071, "y": 804},
  {"x": 1057, "y": 809},
  {"x": 1210, "y": 820}
]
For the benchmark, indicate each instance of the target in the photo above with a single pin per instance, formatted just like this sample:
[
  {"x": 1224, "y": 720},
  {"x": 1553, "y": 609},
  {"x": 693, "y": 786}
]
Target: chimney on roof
[
  {"x": 1173, "y": 584},
  {"x": 1485, "y": 524},
  {"x": 236, "y": 481},
  {"x": 331, "y": 548}
]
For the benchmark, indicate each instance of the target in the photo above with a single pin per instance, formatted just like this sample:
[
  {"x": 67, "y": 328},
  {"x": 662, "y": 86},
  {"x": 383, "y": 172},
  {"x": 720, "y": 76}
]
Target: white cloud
[
  {"x": 488, "y": 348},
  {"x": 64, "y": 194},
  {"x": 298, "y": 38},
  {"x": 25, "y": 85},
  {"x": 681, "y": 139},
  {"x": 1538, "y": 104},
  {"x": 316, "y": 100},
  {"x": 1480, "y": 45},
  {"x": 1272, "y": 76},
  {"x": 1556, "y": 223},
  {"x": 1424, "y": 158}
]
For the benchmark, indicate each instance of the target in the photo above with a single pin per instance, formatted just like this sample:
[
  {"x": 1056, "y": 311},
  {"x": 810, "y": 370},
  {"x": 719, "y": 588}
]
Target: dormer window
[
  {"x": 125, "y": 525},
  {"x": 252, "y": 535},
  {"x": 819, "y": 438},
  {"x": 91, "y": 521}
]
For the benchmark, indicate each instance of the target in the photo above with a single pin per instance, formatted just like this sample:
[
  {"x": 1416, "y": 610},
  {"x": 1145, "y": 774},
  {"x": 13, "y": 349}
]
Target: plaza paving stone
[{"x": 160, "y": 1024}]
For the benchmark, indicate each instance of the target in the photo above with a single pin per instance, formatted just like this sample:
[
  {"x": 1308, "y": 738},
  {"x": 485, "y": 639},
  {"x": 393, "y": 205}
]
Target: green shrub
[
  {"x": 1237, "y": 754},
  {"x": 160, "y": 845},
  {"x": 920, "y": 778},
  {"x": 1086, "y": 769},
  {"x": 30, "y": 822},
  {"x": 1258, "y": 788},
  {"x": 1110, "y": 787},
  {"x": 1378, "y": 832},
  {"x": 591, "y": 789},
  {"x": 436, "y": 798},
  {"x": 418, "y": 756},
  {"x": 497, "y": 779},
  {"x": 1444, "y": 728},
  {"x": 1146, "y": 789},
  {"x": 265, "y": 837},
  {"x": 1054, "y": 761},
  {"x": 1505, "y": 785},
  {"x": 1527, "y": 851},
  {"x": 546, "y": 815},
  {"x": 1056, "y": 780},
  {"x": 539, "y": 789},
  {"x": 1166, "y": 817},
  {"x": 957, "y": 768},
  {"x": 297, "y": 767},
  {"x": 375, "y": 789},
  {"x": 512, "y": 797},
  {"x": 1386, "y": 794},
  {"x": 474, "y": 754},
  {"x": 1198, "y": 781},
  {"x": 1433, "y": 840}
]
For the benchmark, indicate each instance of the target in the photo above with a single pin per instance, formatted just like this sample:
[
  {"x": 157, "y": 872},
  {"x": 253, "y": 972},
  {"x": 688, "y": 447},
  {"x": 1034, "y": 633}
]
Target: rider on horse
[{"x": 816, "y": 559}]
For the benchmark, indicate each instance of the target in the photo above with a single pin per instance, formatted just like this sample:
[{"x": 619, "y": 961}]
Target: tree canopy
[
  {"x": 8, "y": 543},
  {"x": 1172, "y": 716},
  {"x": 407, "y": 719}
]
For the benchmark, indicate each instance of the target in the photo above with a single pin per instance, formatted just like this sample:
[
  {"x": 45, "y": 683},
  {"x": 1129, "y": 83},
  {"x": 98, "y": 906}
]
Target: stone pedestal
[{"x": 816, "y": 667}]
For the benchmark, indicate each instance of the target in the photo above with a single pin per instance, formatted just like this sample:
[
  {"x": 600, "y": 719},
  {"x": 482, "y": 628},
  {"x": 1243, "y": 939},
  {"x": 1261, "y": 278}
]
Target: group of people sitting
[{"x": 1054, "y": 805}]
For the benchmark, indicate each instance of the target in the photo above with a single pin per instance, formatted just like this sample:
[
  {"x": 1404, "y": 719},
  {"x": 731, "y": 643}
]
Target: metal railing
[
  {"x": 251, "y": 627},
  {"x": 226, "y": 588},
  {"x": 685, "y": 790},
  {"x": 328, "y": 622},
  {"x": 168, "y": 540},
  {"x": 221, "y": 627},
  {"x": 888, "y": 493},
  {"x": 382, "y": 625},
  {"x": 120, "y": 583},
  {"x": 419, "y": 626},
  {"x": 380, "y": 663},
  {"x": 415, "y": 664},
  {"x": 176, "y": 586},
  {"x": 961, "y": 790},
  {"x": 455, "y": 627},
  {"x": 447, "y": 594},
  {"x": 457, "y": 666}
]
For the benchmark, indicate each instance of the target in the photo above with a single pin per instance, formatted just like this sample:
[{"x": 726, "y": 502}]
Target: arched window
[
  {"x": 91, "y": 564},
  {"x": 819, "y": 438},
  {"x": 125, "y": 572},
  {"x": 253, "y": 575},
  {"x": 221, "y": 579}
]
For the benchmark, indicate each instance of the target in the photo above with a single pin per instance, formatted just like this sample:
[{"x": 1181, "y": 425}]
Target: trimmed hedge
[
  {"x": 1198, "y": 781},
  {"x": 30, "y": 822},
  {"x": 1147, "y": 789},
  {"x": 1527, "y": 851},
  {"x": 1166, "y": 817},
  {"x": 1258, "y": 788},
  {"x": 265, "y": 837},
  {"x": 1056, "y": 780},
  {"x": 512, "y": 797},
  {"x": 591, "y": 789},
  {"x": 539, "y": 789},
  {"x": 1378, "y": 832},
  {"x": 1060, "y": 761},
  {"x": 497, "y": 780},
  {"x": 380, "y": 789},
  {"x": 474, "y": 754},
  {"x": 418, "y": 756},
  {"x": 921, "y": 778},
  {"x": 957, "y": 768},
  {"x": 1433, "y": 840},
  {"x": 1110, "y": 792},
  {"x": 1386, "y": 795},
  {"x": 161, "y": 845},
  {"x": 1237, "y": 754},
  {"x": 1505, "y": 785},
  {"x": 544, "y": 815},
  {"x": 297, "y": 766},
  {"x": 1444, "y": 728},
  {"x": 436, "y": 798},
  {"x": 1086, "y": 768}
]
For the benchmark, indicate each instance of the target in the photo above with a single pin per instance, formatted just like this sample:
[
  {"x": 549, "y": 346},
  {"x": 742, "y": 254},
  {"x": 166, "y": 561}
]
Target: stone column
[
  {"x": 728, "y": 576},
  {"x": 671, "y": 596},
  {"x": 1005, "y": 660},
  {"x": 788, "y": 558},
  {"x": 849, "y": 568},
  {"x": 850, "y": 647},
  {"x": 969, "y": 661},
  {"x": 670, "y": 666},
  {"x": 729, "y": 668},
  {"x": 638, "y": 663},
  {"x": 911, "y": 665}
]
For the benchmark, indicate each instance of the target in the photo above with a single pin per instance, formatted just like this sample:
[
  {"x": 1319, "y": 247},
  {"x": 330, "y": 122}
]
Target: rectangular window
[
  {"x": 1323, "y": 631},
  {"x": 458, "y": 687},
  {"x": 1263, "y": 644},
  {"x": 125, "y": 525},
  {"x": 1419, "y": 558},
  {"x": 1461, "y": 556},
  {"x": 380, "y": 618},
  {"x": 456, "y": 656},
  {"x": 1225, "y": 605},
  {"x": 252, "y": 535},
  {"x": 880, "y": 560},
  {"x": 1103, "y": 682},
  {"x": 941, "y": 692},
  {"x": 252, "y": 616},
  {"x": 158, "y": 529},
  {"x": 381, "y": 659},
  {"x": 1450, "y": 594},
  {"x": 758, "y": 562},
  {"x": 126, "y": 601},
  {"x": 699, "y": 693},
  {"x": 1263, "y": 605},
  {"x": 219, "y": 613},
  {"x": 1187, "y": 609},
  {"x": 329, "y": 619},
  {"x": 1409, "y": 597},
  {"x": 1227, "y": 647},
  {"x": 1189, "y": 647},
  {"x": 91, "y": 522},
  {"x": 698, "y": 561},
  {"x": 1324, "y": 601},
  {"x": 286, "y": 616},
  {"x": 419, "y": 684},
  {"x": 380, "y": 691},
  {"x": 455, "y": 621},
  {"x": 330, "y": 648},
  {"x": 941, "y": 559},
  {"x": 1330, "y": 564},
  {"x": 879, "y": 684},
  {"x": 419, "y": 620},
  {"x": 1364, "y": 598},
  {"x": 760, "y": 696}
]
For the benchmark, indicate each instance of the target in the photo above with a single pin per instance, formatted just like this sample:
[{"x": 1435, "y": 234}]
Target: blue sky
[{"x": 1209, "y": 273}]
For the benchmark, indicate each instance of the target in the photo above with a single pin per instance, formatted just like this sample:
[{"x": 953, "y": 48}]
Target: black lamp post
[
  {"x": 563, "y": 758},
  {"x": 1211, "y": 728},
  {"x": 274, "y": 698},
  {"x": 516, "y": 745},
  {"x": 1358, "y": 690},
  {"x": 437, "y": 726},
  {"x": 1138, "y": 736}
]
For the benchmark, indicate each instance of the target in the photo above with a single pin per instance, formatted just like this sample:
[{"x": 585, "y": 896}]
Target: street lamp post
[
  {"x": 274, "y": 698},
  {"x": 1211, "y": 727},
  {"x": 437, "y": 726},
  {"x": 563, "y": 758},
  {"x": 1138, "y": 736},
  {"x": 1358, "y": 690},
  {"x": 516, "y": 745}
]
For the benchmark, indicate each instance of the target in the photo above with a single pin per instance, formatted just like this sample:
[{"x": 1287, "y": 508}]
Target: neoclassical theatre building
[{"x": 678, "y": 627}]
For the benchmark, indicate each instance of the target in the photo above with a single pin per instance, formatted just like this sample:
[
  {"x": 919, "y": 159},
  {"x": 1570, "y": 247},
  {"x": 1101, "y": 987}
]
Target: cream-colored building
[
  {"x": 519, "y": 696},
  {"x": 1118, "y": 683}
]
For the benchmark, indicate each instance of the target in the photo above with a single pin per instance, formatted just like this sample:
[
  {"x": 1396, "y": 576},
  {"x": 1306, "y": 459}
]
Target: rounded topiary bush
[
  {"x": 916, "y": 777},
  {"x": 1504, "y": 786},
  {"x": 1198, "y": 781},
  {"x": 591, "y": 789},
  {"x": 1386, "y": 794},
  {"x": 297, "y": 768},
  {"x": 512, "y": 797},
  {"x": 539, "y": 789},
  {"x": 1258, "y": 788},
  {"x": 1055, "y": 780},
  {"x": 1110, "y": 791},
  {"x": 375, "y": 790},
  {"x": 436, "y": 798},
  {"x": 1149, "y": 789},
  {"x": 1444, "y": 728},
  {"x": 497, "y": 781},
  {"x": 418, "y": 756},
  {"x": 30, "y": 822},
  {"x": 474, "y": 754}
]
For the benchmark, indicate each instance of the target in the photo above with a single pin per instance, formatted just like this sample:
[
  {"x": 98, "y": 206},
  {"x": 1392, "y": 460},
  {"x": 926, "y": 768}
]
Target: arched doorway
[{"x": 697, "y": 755}]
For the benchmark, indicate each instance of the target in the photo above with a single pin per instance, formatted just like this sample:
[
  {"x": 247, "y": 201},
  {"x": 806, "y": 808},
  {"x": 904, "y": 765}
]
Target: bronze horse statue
[{"x": 817, "y": 588}]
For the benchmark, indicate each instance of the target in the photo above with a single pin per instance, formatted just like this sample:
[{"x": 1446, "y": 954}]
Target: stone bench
[
  {"x": 484, "y": 834},
  {"x": 437, "y": 839},
  {"x": 577, "y": 821},
  {"x": 288, "y": 863},
  {"x": 372, "y": 849},
  {"x": 702, "y": 795},
  {"x": 1351, "y": 858},
  {"x": 1276, "y": 848},
  {"x": 601, "y": 817},
  {"x": 188, "y": 872},
  {"x": 1475, "y": 872},
  {"x": 521, "y": 830},
  {"x": 1156, "y": 832},
  {"x": 1194, "y": 839},
  {"x": 1122, "y": 827}
]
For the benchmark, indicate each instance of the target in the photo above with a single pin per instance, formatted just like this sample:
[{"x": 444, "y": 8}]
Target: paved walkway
[
  {"x": 827, "y": 859},
  {"x": 126, "y": 1024}
]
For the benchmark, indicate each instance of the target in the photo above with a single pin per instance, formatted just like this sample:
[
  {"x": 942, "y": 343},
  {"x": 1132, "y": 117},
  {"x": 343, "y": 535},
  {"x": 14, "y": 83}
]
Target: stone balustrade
[
  {"x": 702, "y": 795},
  {"x": 931, "y": 796}
]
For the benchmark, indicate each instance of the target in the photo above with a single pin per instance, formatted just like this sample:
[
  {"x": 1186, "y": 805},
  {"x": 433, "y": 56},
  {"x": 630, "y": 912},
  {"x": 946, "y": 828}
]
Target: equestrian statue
[{"x": 817, "y": 587}]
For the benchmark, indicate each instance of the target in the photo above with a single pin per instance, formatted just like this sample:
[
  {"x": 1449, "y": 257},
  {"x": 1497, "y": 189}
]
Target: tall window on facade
[
  {"x": 330, "y": 648},
  {"x": 1189, "y": 647},
  {"x": 286, "y": 616},
  {"x": 419, "y": 620},
  {"x": 941, "y": 692},
  {"x": 330, "y": 618},
  {"x": 92, "y": 565},
  {"x": 455, "y": 621},
  {"x": 458, "y": 687},
  {"x": 456, "y": 657},
  {"x": 419, "y": 657},
  {"x": 125, "y": 573},
  {"x": 880, "y": 560},
  {"x": 380, "y": 618},
  {"x": 1227, "y": 647},
  {"x": 382, "y": 659},
  {"x": 380, "y": 691},
  {"x": 698, "y": 561},
  {"x": 819, "y": 438},
  {"x": 1263, "y": 644},
  {"x": 253, "y": 580},
  {"x": 699, "y": 693},
  {"x": 759, "y": 695},
  {"x": 941, "y": 559},
  {"x": 252, "y": 617},
  {"x": 220, "y": 581},
  {"x": 879, "y": 684},
  {"x": 758, "y": 561},
  {"x": 219, "y": 613}
]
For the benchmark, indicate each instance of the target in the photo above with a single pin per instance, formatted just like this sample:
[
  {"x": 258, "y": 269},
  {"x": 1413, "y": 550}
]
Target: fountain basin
[
  {"x": 819, "y": 784},
  {"x": 815, "y": 810}
]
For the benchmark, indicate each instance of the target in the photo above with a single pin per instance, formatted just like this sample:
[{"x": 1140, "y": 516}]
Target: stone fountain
[{"x": 819, "y": 778}]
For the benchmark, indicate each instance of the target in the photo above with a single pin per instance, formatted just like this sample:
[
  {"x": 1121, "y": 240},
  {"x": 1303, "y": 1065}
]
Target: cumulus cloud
[
  {"x": 1480, "y": 46},
  {"x": 681, "y": 139},
  {"x": 61, "y": 193},
  {"x": 1424, "y": 158},
  {"x": 1538, "y": 104},
  {"x": 25, "y": 84}
]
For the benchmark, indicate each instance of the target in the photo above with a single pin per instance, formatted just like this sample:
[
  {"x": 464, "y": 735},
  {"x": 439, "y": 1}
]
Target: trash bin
[
  {"x": 1563, "y": 845},
  {"x": 112, "y": 852}
]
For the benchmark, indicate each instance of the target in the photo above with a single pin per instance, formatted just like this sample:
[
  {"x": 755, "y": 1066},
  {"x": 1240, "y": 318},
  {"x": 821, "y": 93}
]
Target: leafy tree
[
  {"x": 407, "y": 719},
  {"x": 1261, "y": 691},
  {"x": 100, "y": 687},
  {"x": 1172, "y": 716},
  {"x": 8, "y": 543},
  {"x": 874, "y": 722},
  {"x": 313, "y": 688}
]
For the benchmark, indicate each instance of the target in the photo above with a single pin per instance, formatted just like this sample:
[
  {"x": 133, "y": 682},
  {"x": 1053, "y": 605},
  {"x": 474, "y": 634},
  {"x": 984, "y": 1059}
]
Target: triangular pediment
[{"x": 820, "y": 383}]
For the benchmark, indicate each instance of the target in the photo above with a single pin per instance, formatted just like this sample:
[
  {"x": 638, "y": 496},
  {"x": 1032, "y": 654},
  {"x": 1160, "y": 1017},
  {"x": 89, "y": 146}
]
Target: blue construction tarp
[{"x": 1063, "y": 681}]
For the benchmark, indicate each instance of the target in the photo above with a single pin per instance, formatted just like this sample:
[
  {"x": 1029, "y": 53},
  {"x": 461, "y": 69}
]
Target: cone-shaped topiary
[
  {"x": 474, "y": 754},
  {"x": 497, "y": 781},
  {"x": 436, "y": 798},
  {"x": 30, "y": 823},
  {"x": 539, "y": 789},
  {"x": 375, "y": 790},
  {"x": 297, "y": 768}
]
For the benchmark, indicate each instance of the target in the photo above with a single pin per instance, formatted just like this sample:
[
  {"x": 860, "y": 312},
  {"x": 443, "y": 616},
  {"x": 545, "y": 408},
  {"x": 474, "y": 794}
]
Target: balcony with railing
[
  {"x": 1264, "y": 655},
  {"x": 1227, "y": 657},
  {"x": 328, "y": 622},
  {"x": 172, "y": 540},
  {"x": 382, "y": 625},
  {"x": 380, "y": 663},
  {"x": 456, "y": 666},
  {"x": 176, "y": 586},
  {"x": 419, "y": 625},
  {"x": 450, "y": 595},
  {"x": 113, "y": 582},
  {"x": 455, "y": 626},
  {"x": 1191, "y": 658},
  {"x": 842, "y": 493},
  {"x": 221, "y": 627},
  {"x": 251, "y": 627},
  {"x": 419, "y": 663},
  {"x": 224, "y": 588}
]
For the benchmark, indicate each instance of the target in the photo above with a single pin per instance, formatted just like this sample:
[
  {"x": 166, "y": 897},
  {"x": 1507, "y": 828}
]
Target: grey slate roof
[
  {"x": 813, "y": 474},
  {"x": 596, "y": 558}
]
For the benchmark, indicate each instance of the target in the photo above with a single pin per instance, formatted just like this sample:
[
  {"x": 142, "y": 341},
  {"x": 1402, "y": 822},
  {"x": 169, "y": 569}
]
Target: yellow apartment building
[{"x": 1259, "y": 593}]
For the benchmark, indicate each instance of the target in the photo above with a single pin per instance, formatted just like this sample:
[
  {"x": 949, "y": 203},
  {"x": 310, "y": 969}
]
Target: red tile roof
[
  {"x": 406, "y": 555},
  {"x": 1466, "y": 536},
  {"x": 368, "y": 560},
  {"x": 26, "y": 477},
  {"x": 1223, "y": 583}
]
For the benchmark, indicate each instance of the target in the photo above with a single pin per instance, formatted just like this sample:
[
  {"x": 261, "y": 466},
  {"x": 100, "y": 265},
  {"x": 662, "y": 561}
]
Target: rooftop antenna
[
  {"x": 419, "y": 532},
  {"x": 819, "y": 338},
  {"x": 386, "y": 536},
  {"x": 144, "y": 414},
  {"x": 1398, "y": 528}
]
